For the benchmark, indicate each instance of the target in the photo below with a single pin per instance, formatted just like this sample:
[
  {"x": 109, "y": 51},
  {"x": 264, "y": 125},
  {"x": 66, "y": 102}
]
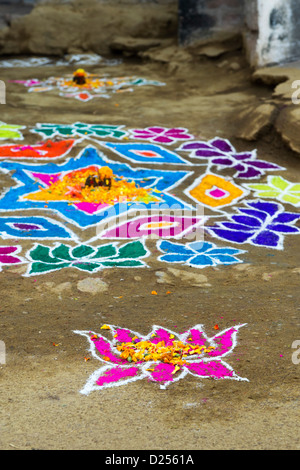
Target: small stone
[
  {"x": 194, "y": 279},
  {"x": 255, "y": 120},
  {"x": 18, "y": 269},
  {"x": 235, "y": 66},
  {"x": 163, "y": 278},
  {"x": 223, "y": 64},
  {"x": 92, "y": 286}
]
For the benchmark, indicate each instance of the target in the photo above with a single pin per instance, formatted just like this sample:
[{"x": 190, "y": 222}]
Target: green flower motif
[
  {"x": 85, "y": 257},
  {"x": 9, "y": 131},
  {"x": 277, "y": 188},
  {"x": 79, "y": 129}
]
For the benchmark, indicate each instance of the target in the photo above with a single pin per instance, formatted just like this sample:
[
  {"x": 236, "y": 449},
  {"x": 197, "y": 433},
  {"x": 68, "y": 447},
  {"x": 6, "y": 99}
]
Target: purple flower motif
[
  {"x": 161, "y": 135},
  {"x": 221, "y": 152},
  {"x": 6, "y": 257},
  {"x": 260, "y": 224}
]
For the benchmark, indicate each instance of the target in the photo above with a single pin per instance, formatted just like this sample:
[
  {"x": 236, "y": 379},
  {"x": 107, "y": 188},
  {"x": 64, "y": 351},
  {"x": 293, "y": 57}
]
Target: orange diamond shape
[{"x": 201, "y": 192}]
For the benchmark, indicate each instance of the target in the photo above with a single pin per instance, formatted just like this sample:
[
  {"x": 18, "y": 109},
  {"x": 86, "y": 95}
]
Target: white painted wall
[{"x": 274, "y": 40}]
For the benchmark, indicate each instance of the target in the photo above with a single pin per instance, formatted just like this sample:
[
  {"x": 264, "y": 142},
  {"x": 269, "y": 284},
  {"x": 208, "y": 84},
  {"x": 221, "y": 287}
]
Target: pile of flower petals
[
  {"x": 71, "y": 187},
  {"x": 175, "y": 352}
]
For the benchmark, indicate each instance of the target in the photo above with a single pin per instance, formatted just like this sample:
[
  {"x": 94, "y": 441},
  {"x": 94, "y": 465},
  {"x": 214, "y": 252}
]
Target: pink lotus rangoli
[{"x": 162, "y": 356}]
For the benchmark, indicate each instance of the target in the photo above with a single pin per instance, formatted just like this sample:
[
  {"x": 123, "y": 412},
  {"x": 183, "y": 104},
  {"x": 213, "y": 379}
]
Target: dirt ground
[{"x": 40, "y": 403}]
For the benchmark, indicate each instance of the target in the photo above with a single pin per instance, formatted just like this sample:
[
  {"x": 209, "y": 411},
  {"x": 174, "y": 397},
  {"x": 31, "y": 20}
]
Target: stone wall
[
  {"x": 270, "y": 28},
  {"x": 199, "y": 19},
  {"x": 11, "y": 9}
]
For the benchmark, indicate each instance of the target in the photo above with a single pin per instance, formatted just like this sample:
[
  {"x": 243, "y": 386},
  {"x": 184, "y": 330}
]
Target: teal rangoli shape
[{"x": 44, "y": 259}]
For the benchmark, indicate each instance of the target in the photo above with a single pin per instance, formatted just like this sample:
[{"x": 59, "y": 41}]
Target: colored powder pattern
[
  {"x": 224, "y": 342},
  {"x": 210, "y": 369},
  {"x": 73, "y": 187},
  {"x": 27, "y": 227},
  {"x": 49, "y": 149},
  {"x": 197, "y": 337},
  {"x": 162, "y": 335},
  {"x": 163, "y": 373},
  {"x": 123, "y": 336},
  {"x": 104, "y": 349},
  {"x": 116, "y": 374},
  {"x": 157, "y": 361}
]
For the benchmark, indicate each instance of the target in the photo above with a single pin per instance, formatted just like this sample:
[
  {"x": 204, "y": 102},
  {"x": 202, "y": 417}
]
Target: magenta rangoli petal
[
  {"x": 163, "y": 373},
  {"x": 5, "y": 259},
  {"x": 162, "y": 335},
  {"x": 104, "y": 349},
  {"x": 156, "y": 130},
  {"x": 123, "y": 336},
  {"x": 163, "y": 140},
  {"x": 117, "y": 373},
  {"x": 6, "y": 250},
  {"x": 212, "y": 369},
  {"x": 197, "y": 337},
  {"x": 47, "y": 179},
  {"x": 224, "y": 342}
]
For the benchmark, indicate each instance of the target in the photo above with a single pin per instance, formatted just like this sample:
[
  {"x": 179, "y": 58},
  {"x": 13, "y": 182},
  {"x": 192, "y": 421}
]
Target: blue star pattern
[
  {"x": 198, "y": 254},
  {"x": 24, "y": 174}
]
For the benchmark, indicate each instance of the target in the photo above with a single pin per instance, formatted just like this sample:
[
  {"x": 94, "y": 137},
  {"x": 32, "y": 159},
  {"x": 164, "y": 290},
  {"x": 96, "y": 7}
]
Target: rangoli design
[
  {"x": 215, "y": 192},
  {"x": 145, "y": 153},
  {"x": 85, "y": 257},
  {"x": 44, "y": 150},
  {"x": 260, "y": 224},
  {"x": 220, "y": 152},
  {"x": 33, "y": 227},
  {"x": 84, "y": 86},
  {"x": 92, "y": 190},
  {"x": 79, "y": 129},
  {"x": 10, "y": 131},
  {"x": 8, "y": 256},
  {"x": 162, "y": 356},
  {"x": 67, "y": 60},
  {"x": 155, "y": 226},
  {"x": 67, "y": 190},
  {"x": 161, "y": 135},
  {"x": 198, "y": 254},
  {"x": 277, "y": 188}
]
